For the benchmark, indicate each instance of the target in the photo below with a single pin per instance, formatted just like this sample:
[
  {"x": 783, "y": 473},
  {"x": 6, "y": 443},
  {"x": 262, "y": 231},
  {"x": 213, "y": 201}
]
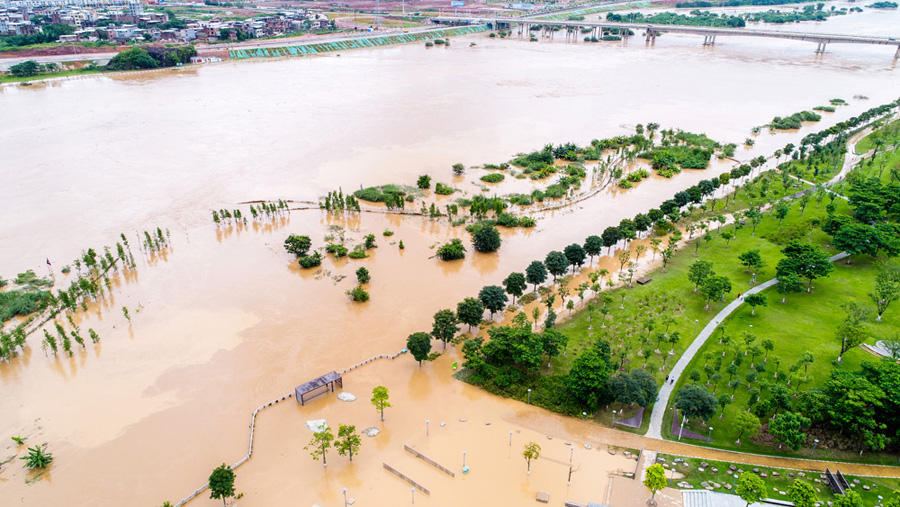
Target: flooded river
[{"x": 227, "y": 320}]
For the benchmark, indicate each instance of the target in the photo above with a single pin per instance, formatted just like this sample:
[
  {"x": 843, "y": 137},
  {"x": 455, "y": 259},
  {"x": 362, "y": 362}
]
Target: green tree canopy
[
  {"x": 221, "y": 483},
  {"x": 557, "y": 263},
  {"x": 787, "y": 429},
  {"x": 486, "y": 239},
  {"x": 755, "y": 300},
  {"x": 493, "y": 298},
  {"x": 698, "y": 272},
  {"x": 515, "y": 285},
  {"x": 444, "y": 327},
  {"x": 470, "y": 311},
  {"x": 655, "y": 480},
  {"x": 593, "y": 245},
  {"x": 802, "y": 493},
  {"x": 347, "y": 440},
  {"x": 419, "y": 345},
  {"x": 297, "y": 245},
  {"x": 751, "y": 488},
  {"x": 748, "y": 423},
  {"x": 381, "y": 399},
  {"x": 635, "y": 387},
  {"x": 804, "y": 260},
  {"x": 536, "y": 273},
  {"x": 575, "y": 254},
  {"x": 587, "y": 379},
  {"x": 695, "y": 400},
  {"x": 132, "y": 59},
  {"x": 321, "y": 441}
]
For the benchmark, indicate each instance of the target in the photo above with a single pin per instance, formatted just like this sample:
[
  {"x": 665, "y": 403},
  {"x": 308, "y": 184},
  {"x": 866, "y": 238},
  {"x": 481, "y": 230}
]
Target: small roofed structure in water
[{"x": 304, "y": 392}]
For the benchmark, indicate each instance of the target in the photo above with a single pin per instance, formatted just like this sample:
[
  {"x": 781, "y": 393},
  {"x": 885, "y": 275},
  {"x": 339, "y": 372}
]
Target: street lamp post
[
  {"x": 571, "y": 453},
  {"x": 681, "y": 429},
  {"x": 696, "y": 321},
  {"x": 426, "y": 426},
  {"x": 614, "y": 419},
  {"x": 510, "y": 438},
  {"x": 464, "y": 459},
  {"x": 709, "y": 435},
  {"x": 815, "y": 443},
  {"x": 345, "y": 497},
  {"x": 529, "y": 396},
  {"x": 413, "y": 492},
  {"x": 584, "y": 415}
]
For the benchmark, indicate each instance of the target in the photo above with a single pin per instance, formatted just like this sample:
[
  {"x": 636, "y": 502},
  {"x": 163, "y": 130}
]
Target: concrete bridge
[{"x": 650, "y": 31}]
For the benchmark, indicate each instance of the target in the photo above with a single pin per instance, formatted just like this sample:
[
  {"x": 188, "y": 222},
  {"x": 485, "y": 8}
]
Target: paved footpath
[{"x": 654, "y": 438}]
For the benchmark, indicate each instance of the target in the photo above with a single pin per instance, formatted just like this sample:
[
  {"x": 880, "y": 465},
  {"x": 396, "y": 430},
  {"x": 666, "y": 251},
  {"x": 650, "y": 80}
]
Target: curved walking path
[{"x": 665, "y": 392}]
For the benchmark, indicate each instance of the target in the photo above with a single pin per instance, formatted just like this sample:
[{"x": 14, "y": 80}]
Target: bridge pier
[
  {"x": 897, "y": 54},
  {"x": 821, "y": 47},
  {"x": 709, "y": 40}
]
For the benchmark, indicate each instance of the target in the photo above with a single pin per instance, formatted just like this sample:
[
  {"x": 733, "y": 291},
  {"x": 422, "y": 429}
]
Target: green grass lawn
[
  {"x": 777, "y": 480},
  {"x": 77, "y": 72},
  {"x": 671, "y": 293},
  {"x": 889, "y": 133}
]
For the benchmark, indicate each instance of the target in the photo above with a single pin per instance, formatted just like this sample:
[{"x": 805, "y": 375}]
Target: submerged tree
[
  {"x": 322, "y": 440},
  {"x": 532, "y": 451},
  {"x": 221, "y": 483},
  {"x": 347, "y": 440},
  {"x": 381, "y": 399}
]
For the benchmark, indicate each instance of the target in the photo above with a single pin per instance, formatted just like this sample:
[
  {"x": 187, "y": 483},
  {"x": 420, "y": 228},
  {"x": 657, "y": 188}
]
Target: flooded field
[{"x": 227, "y": 319}]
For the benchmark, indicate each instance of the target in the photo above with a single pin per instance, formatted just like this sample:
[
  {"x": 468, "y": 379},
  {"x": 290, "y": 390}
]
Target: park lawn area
[
  {"x": 890, "y": 133},
  {"x": 777, "y": 485},
  {"x": 802, "y": 169},
  {"x": 805, "y": 323},
  {"x": 671, "y": 293}
]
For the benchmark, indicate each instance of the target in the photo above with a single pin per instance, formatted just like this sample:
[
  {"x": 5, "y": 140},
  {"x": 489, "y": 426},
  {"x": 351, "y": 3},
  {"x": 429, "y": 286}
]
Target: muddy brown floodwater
[{"x": 227, "y": 320}]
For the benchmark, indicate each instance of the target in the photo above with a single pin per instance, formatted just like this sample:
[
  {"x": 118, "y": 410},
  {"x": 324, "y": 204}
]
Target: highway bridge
[{"x": 650, "y": 31}]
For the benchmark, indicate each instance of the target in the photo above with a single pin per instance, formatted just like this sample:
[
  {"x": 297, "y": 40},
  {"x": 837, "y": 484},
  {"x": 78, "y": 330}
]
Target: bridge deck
[{"x": 697, "y": 30}]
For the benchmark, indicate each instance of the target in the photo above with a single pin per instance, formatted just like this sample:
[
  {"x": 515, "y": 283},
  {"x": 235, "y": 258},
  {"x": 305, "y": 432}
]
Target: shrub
[
  {"x": 493, "y": 177},
  {"x": 527, "y": 222},
  {"x": 486, "y": 239},
  {"x": 356, "y": 254},
  {"x": 297, "y": 245},
  {"x": 363, "y": 276},
  {"x": 507, "y": 220},
  {"x": 358, "y": 294},
  {"x": 388, "y": 233},
  {"x": 337, "y": 249},
  {"x": 311, "y": 261},
  {"x": 520, "y": 199},
  {"x": 458, "y": 169},
  {"x": 452, "y": 251},
  {"x": 424, "y": 182},
  {"x": 441, "y": 189}
]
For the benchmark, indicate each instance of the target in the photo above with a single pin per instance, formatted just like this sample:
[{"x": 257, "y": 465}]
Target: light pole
[
  {"x": 345, "y": 497},
  {"x": 681, "y": 429},
  {"x": 709, "y": 435},
  {"x": 413, "y": 492},
  {"x": 583, "y": 416},
  {"x": 696, "y": 321},
  {"x": 529, "y": 396},
  {"x": 815, "y": 443},
  {"x": 571, "y": 453},
  {"x": 510, "y": 438},
  {"x": 426, "y": 426},
  {"x": 614, "y": 419},
  {"x": 464, "y": 459}
]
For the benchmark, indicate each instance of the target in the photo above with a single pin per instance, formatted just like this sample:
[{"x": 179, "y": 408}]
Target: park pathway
[{"x": 665, "y": 392}]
